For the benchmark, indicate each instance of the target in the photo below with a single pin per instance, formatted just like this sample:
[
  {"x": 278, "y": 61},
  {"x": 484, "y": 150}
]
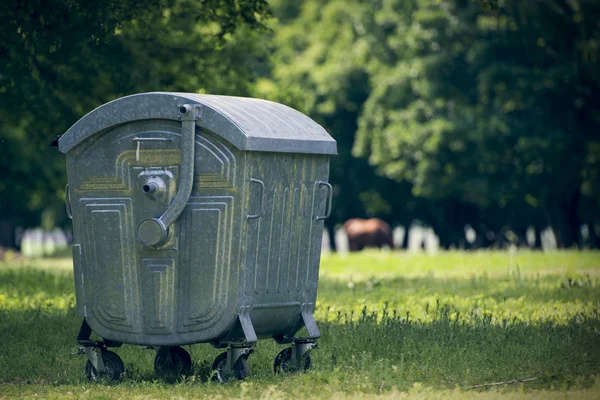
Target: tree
[
  {"x": 60, "y": 59},
  {"x": 493, "y": 109},
  {"x": 320, "y": 62}
]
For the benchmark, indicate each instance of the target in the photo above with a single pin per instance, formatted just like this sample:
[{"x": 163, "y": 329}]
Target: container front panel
[
  {"x": 283, "y": 246},
  {"x": 208, "y": 249},
  {"x": 159, "y": 276},
  {"x": 111, "y": 273},
  {"x": 179, "y": 292}
]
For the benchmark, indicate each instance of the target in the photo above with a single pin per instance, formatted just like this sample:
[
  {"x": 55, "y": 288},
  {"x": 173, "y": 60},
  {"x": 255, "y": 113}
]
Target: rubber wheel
[
  {"x": 113, "y": 364},
  {"x": 172, "y": 362},
  {"x": 282, "y": 364},
  {"x": 241, "y": 369}
]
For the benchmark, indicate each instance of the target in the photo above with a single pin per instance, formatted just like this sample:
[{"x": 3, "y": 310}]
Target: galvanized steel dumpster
[{"x": 196, "y": 218}]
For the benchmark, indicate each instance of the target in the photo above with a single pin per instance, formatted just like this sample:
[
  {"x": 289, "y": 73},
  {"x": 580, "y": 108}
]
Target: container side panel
[
  {"x": 293, "y": 226},
  {"x": 284, "y": 239},
  {"x": 282, "y": 247},
  {"x": 280, "y": 260},
  {"x": 274, "y": 214},
  {"x": 319, "y": 204},
  {"x": 257, "y": 232},
  {"x": 252, "y": 258},
  {"x": 79, "y": 291},
  {"x": 304, "y": 224}
]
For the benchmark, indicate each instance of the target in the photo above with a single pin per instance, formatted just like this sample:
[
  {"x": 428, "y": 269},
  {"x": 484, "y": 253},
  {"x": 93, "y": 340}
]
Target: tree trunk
[
  {"x": 593, "y": 239},
  {"x": 566, "y": 223},
  {"x": 482, "y": 239},
  {"x": 521, "y": 237},
  {"x": 537, "y": 245},
  {"x": 7, "y": 234},
  {"x": 404, "y": 244},
  {"x": 330, "y": 226}
]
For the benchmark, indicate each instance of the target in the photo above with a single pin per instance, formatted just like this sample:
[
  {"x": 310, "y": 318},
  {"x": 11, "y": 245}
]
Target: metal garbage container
[{"x": 197, "y": 219}]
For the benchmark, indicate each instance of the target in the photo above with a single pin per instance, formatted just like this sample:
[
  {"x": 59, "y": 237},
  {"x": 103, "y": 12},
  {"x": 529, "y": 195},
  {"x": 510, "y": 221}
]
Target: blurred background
[{"x": 468, "y": 124}]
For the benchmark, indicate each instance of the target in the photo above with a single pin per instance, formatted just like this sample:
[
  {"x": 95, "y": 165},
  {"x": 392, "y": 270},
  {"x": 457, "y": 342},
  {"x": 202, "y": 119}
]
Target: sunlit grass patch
[
  {"x": 54, "y": 265},
  {"x": 459, "y": 264}
]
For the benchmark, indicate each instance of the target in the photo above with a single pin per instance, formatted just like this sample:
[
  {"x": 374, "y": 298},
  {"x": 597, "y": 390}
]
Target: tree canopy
[
  {"x": 488, "y": 115},
  {"x": 493, "y": 109},
  {"x": 62, "y": 58},
  {"x": 480, "y": 112}
]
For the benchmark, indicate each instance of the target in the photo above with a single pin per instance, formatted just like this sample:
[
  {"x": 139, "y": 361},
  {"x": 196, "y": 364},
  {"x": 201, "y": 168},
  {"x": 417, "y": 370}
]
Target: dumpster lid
[{"x": 248, "y": 124}]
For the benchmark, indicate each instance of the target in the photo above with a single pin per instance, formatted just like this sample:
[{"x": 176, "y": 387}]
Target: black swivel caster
[
  {"x": 283, "y": 362},
  {"x": 239, "y": 370},
  {"x": 113, "y": 366},
  {"x": 295, "y": 358},
  {"x": 171, "y": 362}
]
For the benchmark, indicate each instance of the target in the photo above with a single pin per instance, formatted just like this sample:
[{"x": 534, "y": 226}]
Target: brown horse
[{"x": 368, "y": 233}]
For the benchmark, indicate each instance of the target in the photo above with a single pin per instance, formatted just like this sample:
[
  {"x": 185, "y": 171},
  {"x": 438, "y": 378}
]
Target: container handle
[
  {"x": 262, "y": 199},
  {"x": 329, "y": 198},
  {"x": 154, "y": 231},
  {"x": 68, "y": 201}
]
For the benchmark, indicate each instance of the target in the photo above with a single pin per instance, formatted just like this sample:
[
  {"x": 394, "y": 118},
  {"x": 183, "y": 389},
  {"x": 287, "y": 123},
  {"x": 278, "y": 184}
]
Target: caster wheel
[
  {"x": 241, "y": 369},
  {"x": 172, "y": 362},
  {"x": 114, "y": 368},
  {"x": 283, "y": 363}
]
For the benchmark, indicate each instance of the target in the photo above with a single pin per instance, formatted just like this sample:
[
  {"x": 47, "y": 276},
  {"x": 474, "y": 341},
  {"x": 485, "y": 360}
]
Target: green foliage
[
  {"x": 494, "y": 109},
  {"x": 320, "y": 63},
  {"x": 483, "y": 112},
  {"x": 480, "y": 112},
  {"x": 392, "y": 324},
  {"x": 61, "y": 59}
]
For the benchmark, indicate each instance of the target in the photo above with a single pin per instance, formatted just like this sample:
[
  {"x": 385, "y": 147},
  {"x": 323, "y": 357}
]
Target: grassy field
[{"x": 393, "y": 325}]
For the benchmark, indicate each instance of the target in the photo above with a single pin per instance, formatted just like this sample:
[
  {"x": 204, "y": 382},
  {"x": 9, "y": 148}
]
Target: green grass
[{"x": 392, "y": 325}]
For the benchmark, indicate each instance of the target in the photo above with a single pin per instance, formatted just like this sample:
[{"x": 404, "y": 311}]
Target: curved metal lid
[{"x": 248, "y": 124}]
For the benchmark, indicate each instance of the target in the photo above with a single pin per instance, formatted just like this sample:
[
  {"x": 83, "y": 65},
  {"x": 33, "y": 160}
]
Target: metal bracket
[
  {"x": 246, "y": 323},
  {"x": 94, "y": 354},
  {"x": 83, "y": 337},
  {"x": 306, "y": 319},
  {"x": 189, "y": 112},
  {"x": 242, "y": 326},
  {"x": 309, "y": 320}
]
